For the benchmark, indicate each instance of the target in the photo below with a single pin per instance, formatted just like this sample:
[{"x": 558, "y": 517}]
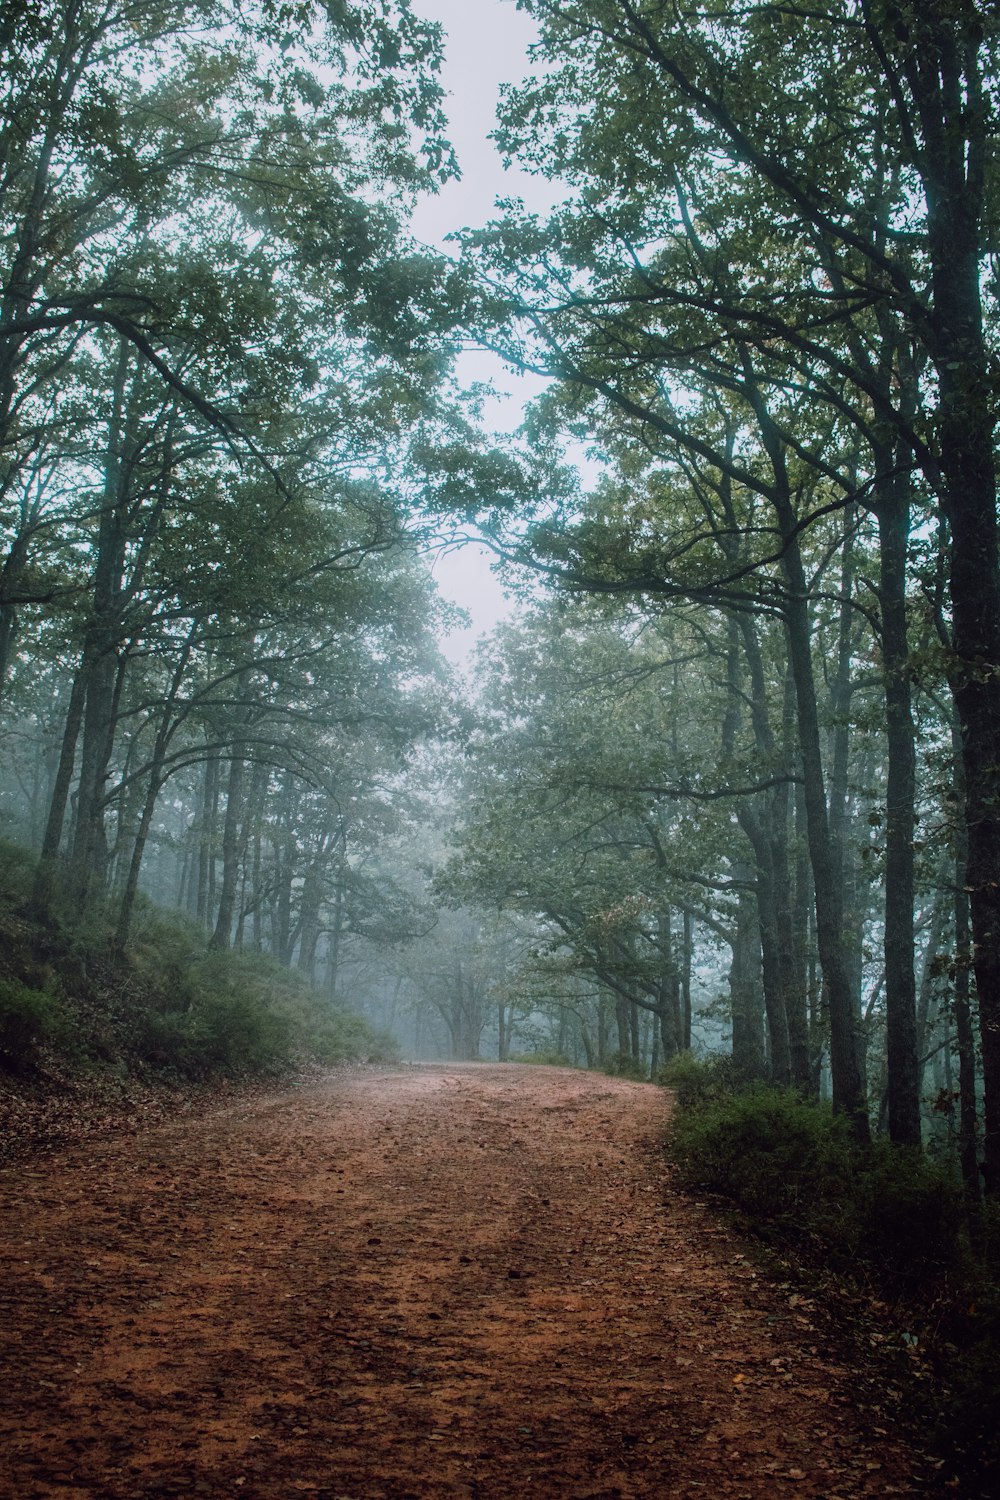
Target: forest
[{"x": 725, "y": 783}]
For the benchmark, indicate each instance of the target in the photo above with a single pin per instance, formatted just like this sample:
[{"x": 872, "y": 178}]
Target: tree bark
[
  {"x": 849, "y": 1092},
  {"x": 746, "y": 984},
  {"x": 222, "y": 935},
  {"x": 41, "y": 894},
  {"x": 903, "y": 1082}
]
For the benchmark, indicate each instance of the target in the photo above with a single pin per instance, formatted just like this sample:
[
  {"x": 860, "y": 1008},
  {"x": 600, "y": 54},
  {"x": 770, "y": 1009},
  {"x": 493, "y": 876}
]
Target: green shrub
[
  {"x": 219, "y": 1034},
  {"x": 29, "y": 1020},
  {"x": 163, "y": 951},
  {"x": 244, "y": 1013},
  {"x": 911, "y": 1212},
  {"x": 333, "y": 1035},
  {"x": 623, "y": 1065},
  {"x": 780, "y": 1159},
  {"x": 696, "y": 1081},
  {"x": 541, "y": 1058},
  {"x": 791, "y": 1166},
  {"x": 17, "y": 869},
  {"x": 167, "y": 1004}
]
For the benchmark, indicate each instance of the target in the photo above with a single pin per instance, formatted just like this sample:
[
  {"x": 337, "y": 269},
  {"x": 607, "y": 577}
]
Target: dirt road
[{"x": 444, "y": 1281}]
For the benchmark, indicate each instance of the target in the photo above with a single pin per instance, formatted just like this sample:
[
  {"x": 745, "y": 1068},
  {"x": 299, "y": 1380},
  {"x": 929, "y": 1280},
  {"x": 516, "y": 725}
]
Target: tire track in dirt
[{"x": 444, "y": 1281}]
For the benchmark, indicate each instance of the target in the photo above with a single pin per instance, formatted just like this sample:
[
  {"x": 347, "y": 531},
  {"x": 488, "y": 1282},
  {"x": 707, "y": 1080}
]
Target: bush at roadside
[
  {"x": 168, "y": 1005},
  {"x": 894, "y": 1222}
]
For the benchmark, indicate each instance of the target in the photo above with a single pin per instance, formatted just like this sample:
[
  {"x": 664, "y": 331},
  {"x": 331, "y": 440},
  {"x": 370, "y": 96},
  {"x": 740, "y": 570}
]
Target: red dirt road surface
[{"x": 441, "y": 1281}]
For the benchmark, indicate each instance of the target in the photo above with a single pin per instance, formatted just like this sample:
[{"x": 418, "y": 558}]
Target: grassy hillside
[{"x": 167, "y": 1011}]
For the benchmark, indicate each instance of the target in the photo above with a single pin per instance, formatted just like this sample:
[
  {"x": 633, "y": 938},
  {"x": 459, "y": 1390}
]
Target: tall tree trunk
[
  {"x": 100, "y": 656},
  {"x": 154, "y": 785},
  {"x": 41, "y": 894},
  {"x": 900, "y": 983},
  {"x": 687, "y": 959},
  {"x": 222, "y": 935},
  {"x": 846, "y": 1042},
  {"x": 283, "y": 940},
  {"x": 772, "y": 977},
  {"x": 311, "y": 903},
  {"x": 206, "y": 839},
  {"x": 336, "y": 933},
  {"x": 622, "y": 1024},
  {"x": 635, "y": 1044},
  {"x": 669, "y": 1011},
  {"x": 745, "y": 983},
  {"x": 968, "y": 1128},
  {"x": 942, "y": 68},
  {"x": 766, "y": 826},
  {"x": 849, "y": 1092},
  {"x": 839, "y": 799}
]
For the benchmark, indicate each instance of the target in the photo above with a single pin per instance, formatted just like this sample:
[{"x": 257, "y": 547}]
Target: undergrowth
[
  {"x": 890, "y": 1222},
  {"x": 542, "y": 1058},
  {"x": 167, "y": 1007},
  {"x": 624, "y": 1065}
]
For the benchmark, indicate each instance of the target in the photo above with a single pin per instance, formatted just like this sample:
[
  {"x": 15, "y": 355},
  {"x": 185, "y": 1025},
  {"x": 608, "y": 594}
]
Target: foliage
[
  {"x": 542, "y": 1059},
  {"x": 697, "y": 1082},
  {"x": 224, "y": 349},
  {"x": 219, "y": 1035},
  {"x": 792, "y": 1167},
  {"x": 240, "y": 1013},
  {"x": 29, "y": 1020},
  {"x": 168, "y": 1005},
  {"x": 624, "y": 1065},
  {"x": 884, "y": 1217},
  {"x": 585, "y": 830}
]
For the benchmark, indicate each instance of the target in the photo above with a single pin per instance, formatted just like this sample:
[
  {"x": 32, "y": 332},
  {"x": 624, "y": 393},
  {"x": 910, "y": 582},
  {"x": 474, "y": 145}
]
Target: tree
[
  {"x": 590, "y": 814},
  {"x": 754, "y": 183},
  {"x": 215, "y": 344}
]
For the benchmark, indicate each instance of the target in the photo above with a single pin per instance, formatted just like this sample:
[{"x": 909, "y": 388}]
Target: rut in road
[{"x": 443, "y": 1281}]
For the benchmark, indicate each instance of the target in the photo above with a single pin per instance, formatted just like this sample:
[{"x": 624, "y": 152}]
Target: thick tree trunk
[
  {"x": 839, "y": 760},
  {"x": 968, "y": 1127},
  {"x": 745, "y": 984},
  {"x": 900, "y": 983},
  {"x": 222, "y": 935},
  {"x": 635, "y": 1044},
  {"x": 622, "y": 1024},
  {"x": 90, "y": 848},
  {"x": 766, "y": 827},
  {"x": 687, "y": 959},
  {"x": 941, "y": 62},
  {"x": 671, "y": 1021},
  {"x": 849, "y": 1092},
  {"x": 779, "y": 1055},
  {"x": 41, "y": 895},
  {"x": 204, "y": 898},
  {"x": 976, "y": 615}
]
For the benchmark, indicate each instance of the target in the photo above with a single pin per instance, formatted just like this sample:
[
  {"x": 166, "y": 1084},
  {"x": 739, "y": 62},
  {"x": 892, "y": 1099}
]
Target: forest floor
[{"x": 435, "y": 1281}]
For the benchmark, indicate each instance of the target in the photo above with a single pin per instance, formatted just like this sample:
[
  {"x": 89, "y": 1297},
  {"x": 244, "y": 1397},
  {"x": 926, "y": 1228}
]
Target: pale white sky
[{"x": 486, "y": 45}]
